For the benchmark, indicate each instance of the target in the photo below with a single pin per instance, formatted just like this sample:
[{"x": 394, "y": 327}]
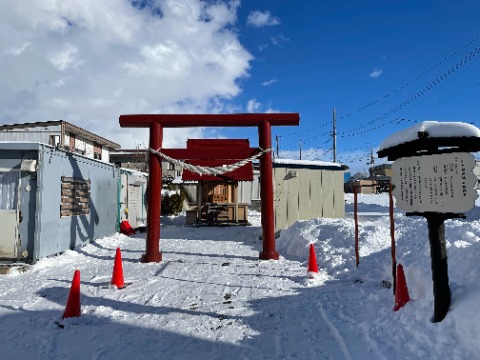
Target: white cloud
[
  {"x": 87, "y": 62},
  {"x": 279, "y": 40},
  {"x": 253, "y": 106},
  {"x": 270, "y": 110},
  {"x": 260, "y": 19},
  {"x": 15, "y": 51},
  {"x": 65, "y": 58},
  {"x": 262, "y": 47},
  {"x": 376, "y": 73},
  {"x": 269, "y": 82}
]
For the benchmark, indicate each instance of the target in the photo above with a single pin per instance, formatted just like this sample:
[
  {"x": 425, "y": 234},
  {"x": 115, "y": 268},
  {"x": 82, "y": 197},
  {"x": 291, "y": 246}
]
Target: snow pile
[
  {"x": 317, "y": 163},
  {"x": 211, "y": 298}
]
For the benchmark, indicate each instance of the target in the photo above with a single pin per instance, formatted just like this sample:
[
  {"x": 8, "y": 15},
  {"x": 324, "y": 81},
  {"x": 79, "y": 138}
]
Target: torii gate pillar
[
  {"x": 152, "y": 251},
  {"x": 157, "y": 122},
  {"x": 266, "y": 194}
]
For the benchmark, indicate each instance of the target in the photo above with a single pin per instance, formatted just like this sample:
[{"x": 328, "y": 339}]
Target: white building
[{"x": 62, "y": 135}]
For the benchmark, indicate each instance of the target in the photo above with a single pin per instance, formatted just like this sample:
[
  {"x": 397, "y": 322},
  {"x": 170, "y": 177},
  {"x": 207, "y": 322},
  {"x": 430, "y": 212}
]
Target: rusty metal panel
[
  {"x": 316, "y": 193},
  {"x": 304, "y": 198},
  {"x": 8, "y": 240},
  {"x": 279, "y": 198},
  {"x": 292, "y": 196},
  {"x": 327, "y": 187},
  {"x": 338, "y": 195}
]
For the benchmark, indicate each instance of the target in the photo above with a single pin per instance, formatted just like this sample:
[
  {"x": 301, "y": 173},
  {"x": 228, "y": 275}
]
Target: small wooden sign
[{"x": 442, "y": 183}]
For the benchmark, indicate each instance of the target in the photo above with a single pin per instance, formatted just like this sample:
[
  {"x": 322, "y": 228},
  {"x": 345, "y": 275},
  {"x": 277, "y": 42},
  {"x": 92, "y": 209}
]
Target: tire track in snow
[
  {"x": 334, "y": 330},
  {"x": 339, "y": 297}
]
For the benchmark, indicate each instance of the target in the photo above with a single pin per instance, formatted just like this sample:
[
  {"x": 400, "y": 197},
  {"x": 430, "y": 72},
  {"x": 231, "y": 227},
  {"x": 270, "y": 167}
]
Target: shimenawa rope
[{"x": 210, "y": 170}]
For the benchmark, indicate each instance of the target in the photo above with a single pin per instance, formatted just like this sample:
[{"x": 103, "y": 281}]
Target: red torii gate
[{"x": 157, "y": 122}]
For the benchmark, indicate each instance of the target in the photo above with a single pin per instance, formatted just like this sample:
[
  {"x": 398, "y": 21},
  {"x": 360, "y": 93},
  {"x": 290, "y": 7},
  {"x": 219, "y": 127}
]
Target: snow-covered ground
[{"x": 211, "y": 298}]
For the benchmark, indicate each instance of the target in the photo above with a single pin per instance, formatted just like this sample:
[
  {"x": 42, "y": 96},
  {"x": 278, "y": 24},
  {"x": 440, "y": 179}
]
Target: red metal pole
[
  {"x": 152, "y": 252},
  {"x": 266, "y": 193},
  {"x": 355, "y": 216},
  {"x": 392, "y": 236}
]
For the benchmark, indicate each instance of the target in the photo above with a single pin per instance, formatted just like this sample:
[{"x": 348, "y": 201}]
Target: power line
[
  {"x": 418, "y": 94},
  {"x": 368, "y": 127},
  {"x": 371, "y": 125},
  {"x": 408, "y": 83}
]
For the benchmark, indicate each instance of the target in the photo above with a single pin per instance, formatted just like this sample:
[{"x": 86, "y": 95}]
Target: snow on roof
[
  {"x": 306, "y": 162},
  {"x": 178, "y": 180},
  {"x": 434, "y": 129},
  {"x": 134, "y": 172}
]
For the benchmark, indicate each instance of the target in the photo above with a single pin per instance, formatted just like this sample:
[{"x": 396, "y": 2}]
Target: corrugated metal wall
[
  {"x": 136, "y": 214},
  {"x": 304, "y": 194},
  {"x": 43, "y": 231},
  {"x": 249, "y": 190},
  {"x": 53, "y": 233},
  {"x": 39, "y": 134}
]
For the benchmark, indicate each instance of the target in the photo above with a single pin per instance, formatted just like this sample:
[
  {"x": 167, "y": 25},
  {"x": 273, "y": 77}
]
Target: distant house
[
  {"x": 361, "y": 186},
  {"x": 137, "y": 159},
  {"x": 381, "y": 170},
  {"x": 378, "y": 180},
  {"x": 63, "y": 135},
  {"x": 382, "y": 174}
]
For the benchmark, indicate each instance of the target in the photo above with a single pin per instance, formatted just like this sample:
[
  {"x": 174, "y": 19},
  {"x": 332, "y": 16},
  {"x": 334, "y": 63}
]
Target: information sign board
[{"x": 442, "y": 183}]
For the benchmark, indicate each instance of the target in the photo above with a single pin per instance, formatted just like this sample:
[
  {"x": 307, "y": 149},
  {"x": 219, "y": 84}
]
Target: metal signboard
[{"x": 442, "y": 183}]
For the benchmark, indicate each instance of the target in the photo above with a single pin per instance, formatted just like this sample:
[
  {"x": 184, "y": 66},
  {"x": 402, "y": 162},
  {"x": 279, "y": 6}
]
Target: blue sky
[
  {"x": 383, "y": 65},
  {"x": 349, "y": 54}
]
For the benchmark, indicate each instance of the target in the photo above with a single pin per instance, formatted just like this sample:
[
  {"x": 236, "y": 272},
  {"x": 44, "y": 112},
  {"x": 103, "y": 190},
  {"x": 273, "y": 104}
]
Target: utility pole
[
  {"x": 300, "y": 149},
  {"x": 277, "y": 138},
  {"x": 372, "y": 168},
  {"x": 334, "y": 134}
]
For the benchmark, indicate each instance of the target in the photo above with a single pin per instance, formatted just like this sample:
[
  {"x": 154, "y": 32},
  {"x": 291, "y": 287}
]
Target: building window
[
  {"x": 75, "y": 197},
  {"x": 54, "y": 140},
  {"x": 97, "y": 151},
  {"x": 72, "y": 142}
]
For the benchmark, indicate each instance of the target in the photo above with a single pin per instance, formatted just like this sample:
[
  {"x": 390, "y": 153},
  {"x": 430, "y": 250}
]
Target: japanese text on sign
[{"x": 437, "y": 183}]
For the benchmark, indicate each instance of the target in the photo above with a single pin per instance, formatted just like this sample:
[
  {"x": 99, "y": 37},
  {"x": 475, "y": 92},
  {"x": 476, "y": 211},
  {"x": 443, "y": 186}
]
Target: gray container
[{"x": 52, "y": 200}]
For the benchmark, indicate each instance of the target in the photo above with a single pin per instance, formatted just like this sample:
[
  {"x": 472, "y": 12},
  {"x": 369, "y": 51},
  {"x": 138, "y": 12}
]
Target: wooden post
[
  {"x": 355, "y": 217},
  {"x": 438, "y": 254},
  {"x": 235, "y": 210},
  {"x": 199, "y": 201}
]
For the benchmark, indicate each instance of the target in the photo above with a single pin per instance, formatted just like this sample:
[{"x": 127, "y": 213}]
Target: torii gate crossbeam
[{"x": 157, "y": 122}]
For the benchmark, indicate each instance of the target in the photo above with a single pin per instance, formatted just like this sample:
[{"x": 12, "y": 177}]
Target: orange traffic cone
[
  {"x": 312, "y": 262},
  {"x": 401, "y": 290},
  {"x": 73, "y": 304},
  {"x": 117, "y": 276}
]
